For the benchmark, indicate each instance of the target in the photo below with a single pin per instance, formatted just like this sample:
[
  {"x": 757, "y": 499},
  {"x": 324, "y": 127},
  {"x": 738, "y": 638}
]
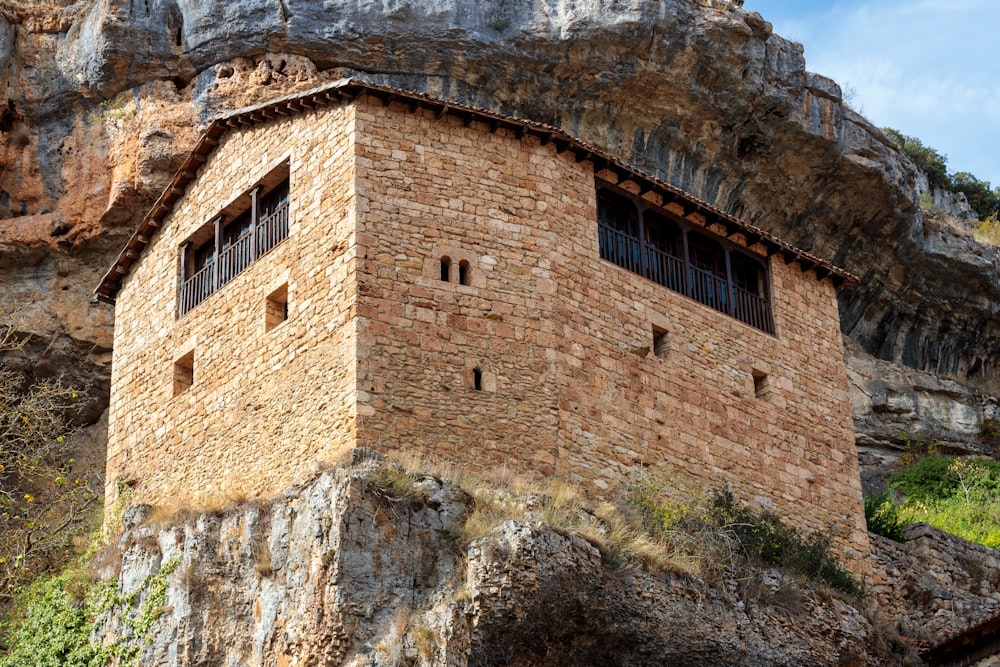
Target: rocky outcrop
[
  {"x": 934, "y": 584},
  {"x": 345, "y": 570}
]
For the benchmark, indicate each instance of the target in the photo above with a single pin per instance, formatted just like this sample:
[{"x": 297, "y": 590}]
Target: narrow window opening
[
  {"x": 276, "y": 308},
  {"x": 463, "y": 272},
  {"x": 661, "y": 343},
  {"x": 477, "y": 379},
  {"x": 445, "y": 268},
  {"x": 184, "y": 373},
  {"x": 761, "y": 384}
]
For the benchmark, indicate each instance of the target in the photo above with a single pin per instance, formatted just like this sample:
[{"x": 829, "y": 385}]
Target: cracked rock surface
[{"x": 338, "y": 571}]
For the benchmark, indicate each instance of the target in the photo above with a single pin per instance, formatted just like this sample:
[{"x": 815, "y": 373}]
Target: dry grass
[
  {"x": 987, "y": 231},
  {"x": 423, "y": 636},
  {"x": 185, "y": 506},
  {"x": 260, "y": 551},
  {"x": 620, "y": 533},
  {"x": 389, "y": 650}
]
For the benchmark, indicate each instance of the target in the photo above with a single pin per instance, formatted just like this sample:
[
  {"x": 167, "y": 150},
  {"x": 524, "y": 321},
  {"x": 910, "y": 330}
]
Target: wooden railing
[
  {"x": 196, "y": 289},
  {"x": 620, "y": 248},
  {"x": 272, "y": 229},
  {"x": 753, "y": 310},
  {"x": 269, "y": 232},
  {"x": 675, "y": 273}
]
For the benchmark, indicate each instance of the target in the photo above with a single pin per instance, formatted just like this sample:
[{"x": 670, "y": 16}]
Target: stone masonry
[{"x": 535, "y": 355}]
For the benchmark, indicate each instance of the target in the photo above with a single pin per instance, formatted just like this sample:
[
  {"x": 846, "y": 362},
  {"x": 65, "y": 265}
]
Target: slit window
[
  {"x": 244, "y": 231},
  {"x": 463, "y": 273},
  {"x": 445, "y": 269},
  {"x": 477, "y": 379},
  {"x": 761, "y": 384},
  {"x": 647, "y": 240},
  {"x": 276, "y": 308},
  {"x": 661, "y": 344},
  {"x": 183, "y": 373}
]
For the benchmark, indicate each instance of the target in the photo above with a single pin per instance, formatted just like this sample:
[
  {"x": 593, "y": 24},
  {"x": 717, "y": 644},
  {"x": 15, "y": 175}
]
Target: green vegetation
[
  {"x": 43, "y": 507},
  {"x": 883, "y": 516},
  {"x": 960, "y": 496},
  {"x": 989, "y": 434},
  {"x": 984, "y": 200},
  {"x": 56, "y": 625},
  {"x": 58, "y": 615}
]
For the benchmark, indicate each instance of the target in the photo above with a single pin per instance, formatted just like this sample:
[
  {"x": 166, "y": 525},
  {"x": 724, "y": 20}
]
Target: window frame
[
  {"x": 697, "y": 271},
  {"x": 249, "y": 227}
]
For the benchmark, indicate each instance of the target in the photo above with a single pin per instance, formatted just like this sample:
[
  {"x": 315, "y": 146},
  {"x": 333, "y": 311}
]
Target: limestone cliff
[
  {"x": 340, "y": 571},
  {"x": 103, "y": 96}
]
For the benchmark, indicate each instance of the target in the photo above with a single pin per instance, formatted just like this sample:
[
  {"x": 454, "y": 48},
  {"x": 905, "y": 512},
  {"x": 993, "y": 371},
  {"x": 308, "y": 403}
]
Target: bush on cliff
[
  {"x": 983, "y": 200},
  {"x": 960, "y": 496},
  {"x": 883, "y": 516}
]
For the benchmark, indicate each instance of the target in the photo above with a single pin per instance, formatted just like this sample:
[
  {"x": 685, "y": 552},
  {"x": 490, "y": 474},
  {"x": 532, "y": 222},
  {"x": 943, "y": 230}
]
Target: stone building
[{"x": 364, "y": 266}]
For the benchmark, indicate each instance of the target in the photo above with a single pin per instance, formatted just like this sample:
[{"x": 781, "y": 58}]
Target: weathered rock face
[
  {"x": 340, "y": 572},
  {"x": 934, "y": 584}
]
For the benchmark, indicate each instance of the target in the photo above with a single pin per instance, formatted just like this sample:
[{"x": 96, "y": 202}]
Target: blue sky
[{"x": 928, "y": 68}]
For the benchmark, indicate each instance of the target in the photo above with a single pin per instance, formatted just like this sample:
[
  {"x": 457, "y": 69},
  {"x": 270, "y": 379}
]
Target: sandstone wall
[
  {"x": 564, "y": 340},
  {"x": 252, "y": 389}
]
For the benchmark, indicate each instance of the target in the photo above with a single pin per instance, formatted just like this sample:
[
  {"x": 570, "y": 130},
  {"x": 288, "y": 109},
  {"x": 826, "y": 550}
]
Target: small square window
[
  {"x": 184, "y": 373},
  {"x": 761, "y": 384},
  {"x": 276, "y": 308},
  {"x": 661, "y": 343}
]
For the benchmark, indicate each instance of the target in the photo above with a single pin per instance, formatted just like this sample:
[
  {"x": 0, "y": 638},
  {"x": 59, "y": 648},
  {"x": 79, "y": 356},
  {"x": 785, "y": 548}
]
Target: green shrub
[
  {"x": 989, "y": 433},
  {"x": 932, "y": 163},
  {"x": 941, "y": 477},
  {"x": 959, "y": 496},
  {"x": 984, "y": 201},
  {"x": 55, "y": 626},
  {"x": 56, "y": 616},
  {"x": 883, "y": 516},
  {"x": 765, "y": 539},
  {"x": 926, "y": 479}
]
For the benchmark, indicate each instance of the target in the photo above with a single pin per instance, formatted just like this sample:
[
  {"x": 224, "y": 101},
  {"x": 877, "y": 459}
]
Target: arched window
[
  {"x": 463, "y": 273},
  {"x": 445, "y": 268}
]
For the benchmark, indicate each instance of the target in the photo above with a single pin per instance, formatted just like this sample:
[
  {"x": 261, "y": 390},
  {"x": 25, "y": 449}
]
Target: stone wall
[
  {"x": 544, "y": 360},
  {"x": 252, "y": 390},
  {"x": 935, "y": 583},
  {"x": 564, "y": 340}
]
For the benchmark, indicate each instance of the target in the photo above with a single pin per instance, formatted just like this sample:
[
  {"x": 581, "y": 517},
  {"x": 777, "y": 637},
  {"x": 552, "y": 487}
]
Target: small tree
[
  {"x": 984, "y": 201},
  {"x": 41, "y": 506},
  {"x": 926, "y": 158}
]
